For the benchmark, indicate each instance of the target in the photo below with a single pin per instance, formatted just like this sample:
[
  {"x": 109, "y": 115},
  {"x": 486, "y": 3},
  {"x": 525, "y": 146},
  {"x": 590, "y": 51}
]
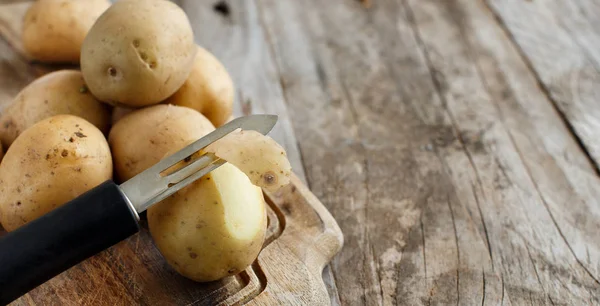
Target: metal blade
[{"x": 150, "y": 187}]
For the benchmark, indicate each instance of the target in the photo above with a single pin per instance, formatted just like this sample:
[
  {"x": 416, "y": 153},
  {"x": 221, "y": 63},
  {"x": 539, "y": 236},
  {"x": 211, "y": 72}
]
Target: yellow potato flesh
[{"x": 213, "y": 228}]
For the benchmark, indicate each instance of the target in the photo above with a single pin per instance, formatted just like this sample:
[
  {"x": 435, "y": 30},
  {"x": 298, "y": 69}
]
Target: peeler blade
[{"x": 152, "y": 186}]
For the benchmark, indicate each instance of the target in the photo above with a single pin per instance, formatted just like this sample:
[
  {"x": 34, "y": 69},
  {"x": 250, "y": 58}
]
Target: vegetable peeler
[{"x": 105, "y": 215}]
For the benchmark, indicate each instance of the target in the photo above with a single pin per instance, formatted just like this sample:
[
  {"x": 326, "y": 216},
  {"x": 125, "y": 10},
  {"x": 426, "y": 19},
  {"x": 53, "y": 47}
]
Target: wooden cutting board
[{"x": 302, "y": 238}]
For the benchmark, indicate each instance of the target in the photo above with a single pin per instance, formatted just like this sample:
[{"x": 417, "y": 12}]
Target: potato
[
  {"x": 51, "y": 163},
  {"x": 262, "y": 159},
  {"x": 141, "y": 139},
  {"x": 120, "y": 112},
  {"x": 138, "y": 53},
  {"x": 213, "y": 228},
  {"x": 209, "y": 89},
  {"x": 53, "y": 30},
  {"x": 60, "y": 92}
]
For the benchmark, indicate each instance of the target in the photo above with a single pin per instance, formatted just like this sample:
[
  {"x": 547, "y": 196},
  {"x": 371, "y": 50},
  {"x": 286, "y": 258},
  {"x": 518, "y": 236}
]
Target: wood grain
[
  {"x": 559, "y": 39},
  {"x": 514, "y": 159},
  {"x": 451, "y": 174},
  {"x": 453, "y": 141}
]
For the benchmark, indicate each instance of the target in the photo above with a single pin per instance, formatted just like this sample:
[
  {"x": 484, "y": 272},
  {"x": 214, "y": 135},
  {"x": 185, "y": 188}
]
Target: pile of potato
[{"x": 144, "y": 91}]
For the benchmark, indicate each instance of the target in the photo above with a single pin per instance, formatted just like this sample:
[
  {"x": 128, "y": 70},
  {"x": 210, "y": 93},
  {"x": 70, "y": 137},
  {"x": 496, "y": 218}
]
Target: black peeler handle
[{"x": 51, "y": 244}]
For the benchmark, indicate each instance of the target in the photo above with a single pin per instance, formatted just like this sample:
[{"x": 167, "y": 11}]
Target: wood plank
[
  {"x": 15, "y": 73},
  {"x": 449, "y": 141},
  {"x": 580, "y": 20},
  {"x": 11, "y": 23},
  {"x": 535, "y": 190},
  {"x": 564, "y": 176},
  {"x": 561, "y": 47},
  {"x": 372, "y": 156}
]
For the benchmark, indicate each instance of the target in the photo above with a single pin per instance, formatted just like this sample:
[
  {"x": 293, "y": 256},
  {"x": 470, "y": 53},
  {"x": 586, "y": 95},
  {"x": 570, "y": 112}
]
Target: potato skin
[
  {"x": 138, "y": 53},
  {"x": 51, "y": 163},
  {"x": 54, "y": 30},
  {"x": 260, "y": 157},
  {"x": 208, "y": 89},
  {"x": 60, "y": 92},
  {"x": 143, "y": 137},
  {"x": 188, "y": 227},
  {"x": 213, "y": 228},
  {"x": 120, "y": 112}
]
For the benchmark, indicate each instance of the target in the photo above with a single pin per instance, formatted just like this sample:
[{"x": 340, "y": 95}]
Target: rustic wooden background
[{"x": 454, "y": 141}]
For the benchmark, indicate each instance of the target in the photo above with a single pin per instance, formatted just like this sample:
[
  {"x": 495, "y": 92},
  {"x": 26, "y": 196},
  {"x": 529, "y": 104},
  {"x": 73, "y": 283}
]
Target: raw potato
[
  {"x": 138, "y": 53},
  {"x": 262, "y": 159},
  {"x": 213, "y": 228},
  {"x": 120, "y": 112},
  {"x": 60, "y": 92},
  {"x": 142, "y": 138},
  {"x": 53, "y": 30},
  {"x": 209, "y": 89},
  {"x": 51, "y": 163}
]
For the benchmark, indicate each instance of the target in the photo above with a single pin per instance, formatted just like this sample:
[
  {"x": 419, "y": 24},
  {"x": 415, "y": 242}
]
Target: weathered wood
[
  {"x": 452, "y": 177},
  {"x": 302, "y": 238},
  {"x": 560, "y": 44},
  {"x": 432, "y": 138},
  {"x": 467, "y": 55},
  {"x": 11, "y": 22},
  {"x": 15, "y": 73},
  {"x": 369, "y": 156}
]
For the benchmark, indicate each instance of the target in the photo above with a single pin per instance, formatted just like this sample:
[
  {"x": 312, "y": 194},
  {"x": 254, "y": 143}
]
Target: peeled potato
[
  {"x": 60, "y": 92},
  {"x": 51, "y": 163},
  {"x": 142, "y": 138},
  {"x": 138, "y": 53},
  {"x": 262, "y": 159},
  {"x": 210, "y": 229},
  {"x": 213, "y": 228},
  {"x": 53, "y": 30},
  {"x": 208, "y": 89}
]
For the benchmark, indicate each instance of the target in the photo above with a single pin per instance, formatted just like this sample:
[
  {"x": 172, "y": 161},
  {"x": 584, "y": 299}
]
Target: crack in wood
[
  {"x": 485, "y": 230},
  {"x": 424, "y": 254},
  {"x": 483, "y": 290},
  {"x": 537, "y": 275},
  {"x": 542, "y": 85},
  {"x": 457, "y": 252},
  {"x": 502, "y": 298}
]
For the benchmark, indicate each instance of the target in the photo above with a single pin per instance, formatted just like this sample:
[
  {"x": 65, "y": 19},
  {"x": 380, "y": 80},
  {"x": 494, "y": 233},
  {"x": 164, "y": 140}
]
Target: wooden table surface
[{"x": 454, "y": 141}]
